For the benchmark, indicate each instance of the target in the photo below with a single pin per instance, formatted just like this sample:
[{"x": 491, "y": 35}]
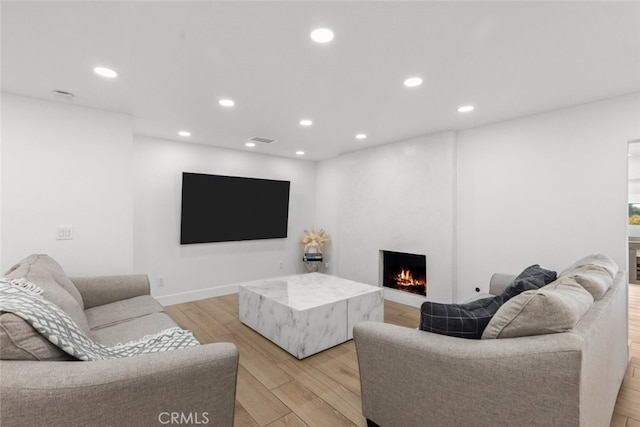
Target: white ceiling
[{"x": 176, "y": 59}]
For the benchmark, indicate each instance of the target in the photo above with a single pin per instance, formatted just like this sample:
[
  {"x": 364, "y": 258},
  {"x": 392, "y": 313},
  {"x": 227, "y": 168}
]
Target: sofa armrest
[
  {"x": 100, "y": 290},
  {"x": 499, "y": 281},
  {"x": 409, "y": 376},
  {"x": 196, "y": 383}
]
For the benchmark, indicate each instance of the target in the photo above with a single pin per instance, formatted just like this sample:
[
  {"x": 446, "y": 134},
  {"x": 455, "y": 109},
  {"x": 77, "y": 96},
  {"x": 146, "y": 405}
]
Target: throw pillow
[
  {"x": 532, "y": 278},
  {"x": 601, "y": 260},
  {"x": 554, "y": 308},
  {"x": 593, "y": 278},
  {"x": 470, "y": 319},
  {"x": 459, "y": 320},
  {"x": 47, "y": 274},
  {"x": 38, "y": 268},
  {"x": 19, "y": 341}
]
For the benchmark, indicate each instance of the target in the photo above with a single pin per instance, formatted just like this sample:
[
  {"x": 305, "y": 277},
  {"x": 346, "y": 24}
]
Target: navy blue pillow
[
  {"x": 532, "y": 278},
  {"x": 469, "y": 320},
  {"x": 459, "y": 320}
]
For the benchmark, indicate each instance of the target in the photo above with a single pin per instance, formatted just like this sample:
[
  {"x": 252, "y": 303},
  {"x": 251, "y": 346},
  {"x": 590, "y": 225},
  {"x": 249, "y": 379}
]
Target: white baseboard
[{"x": 197, "y": 295}]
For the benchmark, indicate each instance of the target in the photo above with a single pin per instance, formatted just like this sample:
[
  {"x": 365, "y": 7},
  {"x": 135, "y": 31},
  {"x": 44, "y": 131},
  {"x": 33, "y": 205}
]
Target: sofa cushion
[
  {"x": 554, "y": 308},
  {"x": 133, "y": 329},
  {"x": 601, "y": 260},
  {"x": 121, "y": 311},
  {"x": 594, "y": 278},
  {"x": 19, "y": 341}
]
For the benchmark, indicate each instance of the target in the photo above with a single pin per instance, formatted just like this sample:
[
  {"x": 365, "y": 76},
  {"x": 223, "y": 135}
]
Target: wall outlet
[
  {"x": 160, "y": 281},
  {"x": 326, "y": 265},
  {"x": 280, "y": 265}
]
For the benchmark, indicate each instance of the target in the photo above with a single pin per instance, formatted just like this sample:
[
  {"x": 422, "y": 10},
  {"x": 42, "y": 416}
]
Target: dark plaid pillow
[
  {"x": 470, "y": 319},
  {"x": 532, "y": 278},
  {"x": 459, "y": 320}
]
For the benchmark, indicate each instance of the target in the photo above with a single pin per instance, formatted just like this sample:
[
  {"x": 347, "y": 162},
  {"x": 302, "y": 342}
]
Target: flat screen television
[{"x": 217, "y": 208}]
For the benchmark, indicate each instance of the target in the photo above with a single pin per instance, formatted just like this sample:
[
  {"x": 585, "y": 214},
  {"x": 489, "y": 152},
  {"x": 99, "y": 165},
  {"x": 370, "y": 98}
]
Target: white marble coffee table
[{"x": 308, "y": 313}]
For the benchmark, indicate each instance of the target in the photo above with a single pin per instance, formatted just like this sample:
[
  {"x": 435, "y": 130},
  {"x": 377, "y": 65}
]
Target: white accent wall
[
  {"x": 64, "y": 165},
  {"x": 210, "y": 269},
  {"x": 544, "y": 189},
  {"x": 397, "y": 197}
]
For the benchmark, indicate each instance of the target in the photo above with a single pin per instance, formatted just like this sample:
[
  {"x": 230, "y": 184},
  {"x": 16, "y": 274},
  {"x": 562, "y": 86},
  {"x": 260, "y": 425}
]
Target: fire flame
[
  {"x": 405, "y": 278},
  {"x": 405, "y": 275},
  {"x": 405, "y": 281}
]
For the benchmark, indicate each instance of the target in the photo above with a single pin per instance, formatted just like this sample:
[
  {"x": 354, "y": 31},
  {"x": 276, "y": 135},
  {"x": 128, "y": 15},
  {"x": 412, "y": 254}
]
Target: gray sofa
[
  {"x": 411, "y": 377},
  {"x": 41, "y": 385}
]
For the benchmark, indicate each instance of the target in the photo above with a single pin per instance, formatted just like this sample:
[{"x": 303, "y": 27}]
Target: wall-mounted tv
[{"x": 217, "y": 208}]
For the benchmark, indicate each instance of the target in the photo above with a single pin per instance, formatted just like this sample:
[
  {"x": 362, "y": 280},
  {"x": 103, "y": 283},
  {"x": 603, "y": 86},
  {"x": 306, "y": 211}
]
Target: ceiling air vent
[
  {"x": 61, "y": 94},
  {"x": 262, "y": 140}
]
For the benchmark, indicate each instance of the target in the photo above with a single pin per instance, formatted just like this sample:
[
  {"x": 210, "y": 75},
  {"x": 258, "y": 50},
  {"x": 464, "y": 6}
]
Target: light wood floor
[
  {"x": 627, "y": 411},
  {"x": 276, "y": 389}
]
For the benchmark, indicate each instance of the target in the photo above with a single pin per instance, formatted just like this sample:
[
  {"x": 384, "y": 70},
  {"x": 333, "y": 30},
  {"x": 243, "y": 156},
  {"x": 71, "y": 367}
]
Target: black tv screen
[{"x": 218, "y": 208}]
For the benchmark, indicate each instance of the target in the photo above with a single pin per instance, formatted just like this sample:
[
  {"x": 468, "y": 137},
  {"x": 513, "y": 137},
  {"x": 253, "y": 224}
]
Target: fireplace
[{"x": 405, "y": 272}]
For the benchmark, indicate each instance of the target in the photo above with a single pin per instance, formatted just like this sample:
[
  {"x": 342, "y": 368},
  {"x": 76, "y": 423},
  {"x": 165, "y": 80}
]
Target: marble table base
[{"x": 308, "y": 313}]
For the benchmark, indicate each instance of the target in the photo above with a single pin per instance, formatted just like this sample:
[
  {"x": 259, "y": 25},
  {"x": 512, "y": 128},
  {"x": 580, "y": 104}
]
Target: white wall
[
  {"x": 397, "y": 197},
  {"x": 544, "y": 189},
  {"x": 329, "y": 181},
  {"x": 64, "y": 165},
  {"x": 210, "y": 269}
]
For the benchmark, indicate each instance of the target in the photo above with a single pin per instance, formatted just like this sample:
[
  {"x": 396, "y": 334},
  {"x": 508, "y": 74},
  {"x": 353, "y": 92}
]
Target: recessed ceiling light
[
  {"x": 306, "y": 122},
  {"x": 465, "y": 109},
  {"x": 322, "y": 35},
  {"x": 105, "y": 72},
  {"x": 413, "y": 82},
  {"x": 361, "y": 136},
  {"x": 184, "y": 133},
  {"x": 250, "y": 144},
  {"x": 300, "y": 153},
  {"x": 226, "y": 102}
]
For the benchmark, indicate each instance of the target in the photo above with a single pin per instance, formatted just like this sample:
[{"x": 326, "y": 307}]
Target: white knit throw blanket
[{"x": 24, "y": 299}]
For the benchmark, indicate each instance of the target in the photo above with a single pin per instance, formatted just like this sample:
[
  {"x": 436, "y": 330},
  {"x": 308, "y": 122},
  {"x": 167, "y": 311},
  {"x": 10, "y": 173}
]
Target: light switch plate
[{"x": 64, "y": 233}]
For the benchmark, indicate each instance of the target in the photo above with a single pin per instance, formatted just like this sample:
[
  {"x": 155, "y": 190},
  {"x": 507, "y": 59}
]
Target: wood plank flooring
[
  {"x": 277, "y": 390},
  {"x": 627, "y": 411}
]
